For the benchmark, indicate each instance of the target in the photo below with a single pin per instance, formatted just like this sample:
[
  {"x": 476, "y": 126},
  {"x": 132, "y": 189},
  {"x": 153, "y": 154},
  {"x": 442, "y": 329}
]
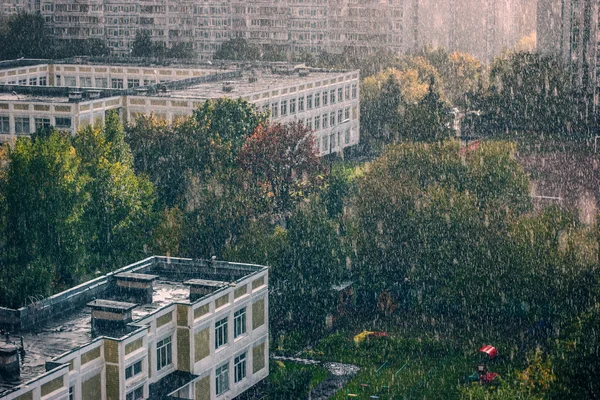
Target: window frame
[
  {"x": 222, "y": 379},
  {"x": 166, "y": 359},
  {"x": 239, "y": 367},
  {"x": 221, "y": 333},
  {"x": 239, "y": 322}
]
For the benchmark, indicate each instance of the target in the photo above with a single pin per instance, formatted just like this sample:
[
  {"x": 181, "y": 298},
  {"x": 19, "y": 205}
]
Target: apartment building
[
  {"x": 568, "y": 29},
  {"x": 70, "y": 96},
  {"x": 287, "y": 26},
  {"x": 158, "y": 329}
]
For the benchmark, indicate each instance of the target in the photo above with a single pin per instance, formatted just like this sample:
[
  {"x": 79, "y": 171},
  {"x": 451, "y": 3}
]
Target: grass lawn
[
  {"x": 415, "y": 369},
  {"x": 293, "y": 381}
]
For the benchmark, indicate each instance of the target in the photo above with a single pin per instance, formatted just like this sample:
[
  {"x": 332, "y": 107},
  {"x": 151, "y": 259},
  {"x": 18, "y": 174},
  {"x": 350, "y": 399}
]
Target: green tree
[
  {"x": 120, "y": 216},
  {"x": 142, "y": 45},
  {"x": 45, "y": 201},
  {"x": 238, "y": 49},
  {"x": 25, "y": 35}
]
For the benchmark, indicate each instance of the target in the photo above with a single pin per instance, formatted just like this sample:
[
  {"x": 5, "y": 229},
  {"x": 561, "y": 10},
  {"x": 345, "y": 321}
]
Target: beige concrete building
[
  {"x": 201, "y": 338},
  {"x": 69, "y": 96}
]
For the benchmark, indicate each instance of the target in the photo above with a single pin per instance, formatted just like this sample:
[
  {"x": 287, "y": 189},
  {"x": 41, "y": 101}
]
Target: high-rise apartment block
[{"x": 285, "y": 26}]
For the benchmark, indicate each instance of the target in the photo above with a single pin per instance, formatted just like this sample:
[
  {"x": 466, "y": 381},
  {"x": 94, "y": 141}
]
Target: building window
[
  {"x": 347, "y": 113},
  {"x": 4, "y": 125},
  {"x": 101, "y": 82},
  {"x": 317, "y": 122},
  {"x": 116, "y": 83},
  {"x": 70, "y": 81},
  {"x": 43, "y": 81},
  {"x": 85, "y": 81},
  {"x": 284, "y": 108},
  {"x": 324, "y": 121},
  {"x": 332, "y": 96},
  {"x": 332, "y": 118},
  {"x": 340, "y": 98},
  {"x": 58, "y": 81},
  {"x": 164, "y": 353},
  {"x": 309, "y": 102},
  {"x": 324, "y": 143},
  {"x": 63, "y": 123},
  {"x": 41, "y": 123},
  {"x": 133, "y": 370},
  {"x": 222, "y": 379},
  {"x": 133, "y": 83},
  {"x": 347, "y": 93},
  {"x": 239, "y": 367},
  {"x": 354, "y": 91},
  {"x": 317, "y": 100},
  {"x": 135, "y": 394},
  {"x": 347, "y": 136},
  {"x": 309, "y": 124},
  {"x": 239, "y": 322},
  {"x": 340, "y": 112},
  {"x": 32, "y": 81},
  {"x": 221, "y": 333},
  {"x": 274, "y": 110},
  {"x": 300, "y": 104},
  {"x": 23, "y": 82},
  {"x": 22, "y": 126},
  {"x": 293, "y": 106},
  {"x": 324, "y": 98},
  {"x": 72, "y": 393}
]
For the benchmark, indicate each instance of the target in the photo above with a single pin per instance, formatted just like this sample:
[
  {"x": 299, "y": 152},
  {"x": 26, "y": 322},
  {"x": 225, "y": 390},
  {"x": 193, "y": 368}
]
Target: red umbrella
[{"x": 489, "y": 350}]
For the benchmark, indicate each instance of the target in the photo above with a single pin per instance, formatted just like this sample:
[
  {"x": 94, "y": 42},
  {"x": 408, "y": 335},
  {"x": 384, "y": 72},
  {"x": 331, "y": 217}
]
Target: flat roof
[
  {"x": 244, "y": 85},
  {"x": 32, "y": 98},
  {"x": 64, "y": 333}
]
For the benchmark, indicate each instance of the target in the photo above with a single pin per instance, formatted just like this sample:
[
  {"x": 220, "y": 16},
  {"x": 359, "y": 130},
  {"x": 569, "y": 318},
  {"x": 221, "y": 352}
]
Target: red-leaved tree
[{"x": 282, "y": 157}]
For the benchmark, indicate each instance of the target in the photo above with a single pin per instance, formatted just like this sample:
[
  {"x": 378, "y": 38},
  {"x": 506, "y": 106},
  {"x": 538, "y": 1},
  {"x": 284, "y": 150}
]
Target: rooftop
[
  {"x": 65, "y": 330},
  {"x": 252, "y": 81}
]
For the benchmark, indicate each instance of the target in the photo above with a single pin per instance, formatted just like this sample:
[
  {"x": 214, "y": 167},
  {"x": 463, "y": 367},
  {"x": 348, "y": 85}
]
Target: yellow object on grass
[{"x": 361, "y": 336}]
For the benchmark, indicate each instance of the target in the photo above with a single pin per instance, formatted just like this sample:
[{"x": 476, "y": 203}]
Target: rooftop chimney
[
  {"x": 9, "y": 361},
  {"x": 201, "y": 287},
  {"x": 109, "y": 316},
  {"x": 135, "y": 286}
]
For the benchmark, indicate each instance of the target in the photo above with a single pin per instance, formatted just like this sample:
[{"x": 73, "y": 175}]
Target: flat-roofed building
[
  {"x": 69, "y": 96},
  {"x": 101, "y": 342}
]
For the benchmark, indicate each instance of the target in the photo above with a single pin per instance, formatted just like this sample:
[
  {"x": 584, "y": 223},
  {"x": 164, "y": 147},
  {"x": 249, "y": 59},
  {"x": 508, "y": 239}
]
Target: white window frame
[
  {"x": 221, "y": 333},
  {"x": 164, "y": 358},
  {"x": 222, "y": 379},
  {"x": 239, "y": 322},
  {"x": 239, "y": 368},
  {"x": 132, "y": 367}
]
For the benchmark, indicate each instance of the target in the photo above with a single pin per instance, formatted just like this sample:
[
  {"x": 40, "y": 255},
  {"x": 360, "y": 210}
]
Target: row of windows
[
  {"x": 312, "y": 101},
  {"x": 329, "y": 143},
  {"x": 23, "y": 124},
  {"x": 222, "y": 373},
  {"x": 35, "y": 81},
  {"x": 239, "y": 328}
]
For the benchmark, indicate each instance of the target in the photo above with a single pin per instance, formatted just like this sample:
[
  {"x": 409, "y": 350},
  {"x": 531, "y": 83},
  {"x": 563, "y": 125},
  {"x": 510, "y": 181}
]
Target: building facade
[
  {"x": 568, "y": 29},
  {"x": 212, "y": 345},
  {"x": 70, "y": 96}
]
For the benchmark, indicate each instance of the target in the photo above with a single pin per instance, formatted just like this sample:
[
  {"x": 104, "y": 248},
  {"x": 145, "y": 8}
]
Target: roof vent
[
  {"x": 75, "y": 96},
  {"x": 109, "y": 316},
  {"x": 93, "y": 94},
  {"x": 202, "y": 287},
  {"x": 137, "y": 287},
  {"x": 228, "y": 87}
]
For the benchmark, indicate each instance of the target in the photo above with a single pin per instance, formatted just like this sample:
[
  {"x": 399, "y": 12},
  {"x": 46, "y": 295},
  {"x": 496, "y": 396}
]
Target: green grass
[
  {"x": 293, "y": 381},
  {"x": 435, "y": 369}
]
